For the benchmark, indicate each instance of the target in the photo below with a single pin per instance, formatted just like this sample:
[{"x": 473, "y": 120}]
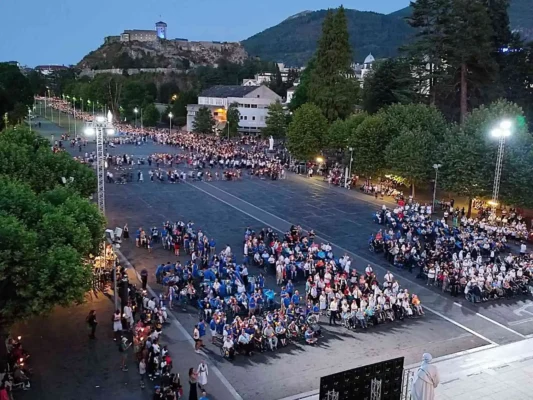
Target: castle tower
[{"x": 161, "y": 29}]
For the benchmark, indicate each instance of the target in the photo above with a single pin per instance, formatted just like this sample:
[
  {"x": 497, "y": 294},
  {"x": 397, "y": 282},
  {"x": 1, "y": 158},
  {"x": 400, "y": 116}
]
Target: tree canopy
[
  {"x": 306, "y": 132},
  {"x": 48, "y": 229},
  {"x": 203, "y": 121},
  {"x": 276, "y": 122},
  {"x": 16, "y": 94}
]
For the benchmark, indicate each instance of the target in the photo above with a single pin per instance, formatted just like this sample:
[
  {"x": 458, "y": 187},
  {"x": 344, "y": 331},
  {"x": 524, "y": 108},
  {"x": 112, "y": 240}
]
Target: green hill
[{"x": 294, "y": 40}]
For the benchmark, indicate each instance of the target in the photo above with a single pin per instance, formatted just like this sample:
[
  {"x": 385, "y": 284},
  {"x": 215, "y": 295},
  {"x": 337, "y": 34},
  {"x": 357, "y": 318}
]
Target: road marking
[
  {"x": 496, "y": 323},
  {"x": 287, "y": 222},
  {"x": 522, "y": 321},
  {"x": 184, "y": 332}
]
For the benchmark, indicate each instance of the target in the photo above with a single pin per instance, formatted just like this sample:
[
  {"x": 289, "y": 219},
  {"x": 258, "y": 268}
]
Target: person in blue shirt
[
  {"x": 260, "y": 281},
  {"x": 296, "y": 298},
  {"x": 204, "y": 396},
  {"x": 289, "y": 288},
  {"x": 251, "y": 306},
  {"x": 202, "y": 328},
  {"x": 213, "y": 328},
  {"x": 212, "y": 247},
  {"x": 159, "y": 273}
]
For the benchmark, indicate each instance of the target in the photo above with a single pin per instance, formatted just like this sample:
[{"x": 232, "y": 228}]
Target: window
[
  {"x": 247, "y": 106},
  {"x": 254, "y": 106},
  {"x": 253, "y": 118},
  {"x": 258, "y": 96},
  {"x": 245, "y": 118},
  {"x": 240, "y": 117}
]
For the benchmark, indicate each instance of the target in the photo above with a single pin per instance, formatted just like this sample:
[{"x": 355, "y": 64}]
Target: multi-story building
[
  {"x": 252, "y": 103},
  {"x": 145, "y": 35}
]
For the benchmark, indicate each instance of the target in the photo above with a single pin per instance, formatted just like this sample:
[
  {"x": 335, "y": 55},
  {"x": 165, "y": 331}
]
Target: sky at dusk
[{"x": 63, "y": 31}]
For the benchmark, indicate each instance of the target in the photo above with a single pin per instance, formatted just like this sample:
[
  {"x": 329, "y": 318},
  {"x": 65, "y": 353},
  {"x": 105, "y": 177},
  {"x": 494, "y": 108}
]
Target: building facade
[
  {"x": 252, "y": 101},
  {"x": 145, "y": 35}
]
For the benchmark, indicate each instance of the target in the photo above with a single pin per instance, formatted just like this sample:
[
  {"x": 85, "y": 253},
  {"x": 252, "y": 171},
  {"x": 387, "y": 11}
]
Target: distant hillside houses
[{"x": 267, "y": 77}]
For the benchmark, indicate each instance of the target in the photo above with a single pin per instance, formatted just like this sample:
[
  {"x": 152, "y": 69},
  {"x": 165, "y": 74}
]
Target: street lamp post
[
  {"x": 501, "y": 132},
  {"x": 349, "y": 174},
  {"x": 29, "y": 117},
  {"x": 170, "y": 116},
  {"x": 436, "y": 166},
  {"x": 74, "y": 115},
  {"x": 135, "y": 110},
  {"x": 99, "y": 127}
]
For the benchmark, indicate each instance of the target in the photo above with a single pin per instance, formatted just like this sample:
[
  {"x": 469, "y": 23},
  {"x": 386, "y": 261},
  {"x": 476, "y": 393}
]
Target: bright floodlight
[
  {"x": 110, "y": 117},
  {"x": 319, "y": 160},
  {"x": 89, "y": 131},
  {"x": 100, "y": 119},
  {"x": 506, "y": 124},
  {"x": 437, "y": 166},
  {"x": 170, "y": 115},
  {"x": 135, "y": 110},
  {"x": 110, "y": 131},
  {"x": 497, "y": 132}
]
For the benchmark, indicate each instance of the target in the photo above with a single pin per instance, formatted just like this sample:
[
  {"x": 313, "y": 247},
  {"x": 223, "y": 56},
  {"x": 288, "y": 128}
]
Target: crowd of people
[{"x": 476, "y": 257}]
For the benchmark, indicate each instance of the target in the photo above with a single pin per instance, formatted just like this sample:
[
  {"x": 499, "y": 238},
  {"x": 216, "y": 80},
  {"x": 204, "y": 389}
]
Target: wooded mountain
[{"x": 294, "y": 40}]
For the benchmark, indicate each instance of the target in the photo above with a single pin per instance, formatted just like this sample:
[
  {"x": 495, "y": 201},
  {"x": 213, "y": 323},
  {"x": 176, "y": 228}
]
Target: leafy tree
[
  {"x": 400, "y": 118},
  {"x": 47, "y": 229},
  {"x": 305, "y": 135},
  {"x": 203, "y": 121},
  {"x": 369, "y": 142},
  {"x": 233, "y": 117},
  {"x": 411, "y": 156},
  {"x": 469, "y": 156},
  {"x": 16, "y": 93},
  {"x": 332, "y": 87},
  {"x": 390, "y": 81},
  {"x": 301, "y": 95},
  {"x": 26, "y": 156},
  {"x": 151, "y": 115},
  {"x": 340, "y": 131},
  {"x": 276, "y": 122}
]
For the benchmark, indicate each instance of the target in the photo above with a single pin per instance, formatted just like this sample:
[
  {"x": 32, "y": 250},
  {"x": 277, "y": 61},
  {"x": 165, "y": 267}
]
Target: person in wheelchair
[
  {"x": 281, "y": 334},
  {"x": 271, "y": 337},
  {"x": 293, "y": 330},
  {"x": 229, "y": 347},
  {"x": 259, "y": 342},
  {"x": 245, "y": 344}
]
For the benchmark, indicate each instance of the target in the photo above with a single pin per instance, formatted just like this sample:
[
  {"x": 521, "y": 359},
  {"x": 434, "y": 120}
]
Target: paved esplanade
[{"x": 225, "y": 209}]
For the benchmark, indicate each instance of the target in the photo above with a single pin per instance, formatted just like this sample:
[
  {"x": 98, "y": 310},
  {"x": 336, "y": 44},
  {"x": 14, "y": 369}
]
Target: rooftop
[{"x": 224, "y": 91}]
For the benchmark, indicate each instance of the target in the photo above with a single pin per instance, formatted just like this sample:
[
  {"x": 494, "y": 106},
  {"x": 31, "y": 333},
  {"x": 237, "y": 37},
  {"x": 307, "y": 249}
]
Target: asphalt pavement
[{"x": 344, "y": 218}]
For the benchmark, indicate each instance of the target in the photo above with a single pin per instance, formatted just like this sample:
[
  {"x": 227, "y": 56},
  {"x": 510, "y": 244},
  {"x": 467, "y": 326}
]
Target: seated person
[
  {"x": 310, "y": 336},
  {"x": 229, "y": 346}
]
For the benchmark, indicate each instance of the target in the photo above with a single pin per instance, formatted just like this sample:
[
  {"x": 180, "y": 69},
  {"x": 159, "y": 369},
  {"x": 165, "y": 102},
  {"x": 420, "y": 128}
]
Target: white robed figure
[
  {"x": 271, "y": 144},
  {"x": 202, "y": 372},
  {"x": 426, "y": 380}
]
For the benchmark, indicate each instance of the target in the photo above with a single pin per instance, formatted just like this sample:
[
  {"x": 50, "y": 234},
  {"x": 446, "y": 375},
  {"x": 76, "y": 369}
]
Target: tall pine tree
[{"x": 332, "y": 87}]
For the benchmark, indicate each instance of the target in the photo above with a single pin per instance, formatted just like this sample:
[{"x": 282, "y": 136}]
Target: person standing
[
  {"x": 202, "y": 373},
  {"x": 117, "y": 325},
  {"x": 193, "y": 385},
  {"x": 92, "y": 323},
  {"x": 126, "y": 232},
  {"x": 142, "y": 371},
  {"x": 123, "y": 348},
  {"x": 426, "y": 380},
  {"x": 333, "y": 307},
  {"x": 144, "y": 278},
  {"x": 196, "y": 337}
]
